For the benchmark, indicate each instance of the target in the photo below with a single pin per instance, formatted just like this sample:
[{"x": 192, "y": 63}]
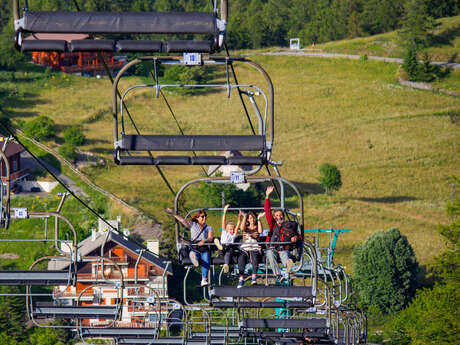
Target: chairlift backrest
[{"x": 161, "y": 23}]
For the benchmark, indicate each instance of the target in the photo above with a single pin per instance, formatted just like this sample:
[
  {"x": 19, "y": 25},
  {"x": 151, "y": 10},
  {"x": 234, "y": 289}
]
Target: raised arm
[
  {"x": 224, "y": 216},
  {"x": 259, "y": 222},
  {"x": 267, "y": 207},
  {"x": 243, "y": 222},
  {"x": 182, "y": 220},
  {"x": 238, "y": 224}
]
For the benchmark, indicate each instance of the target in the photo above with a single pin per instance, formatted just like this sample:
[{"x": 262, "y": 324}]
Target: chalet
[
  {"x": 143, "y": 272},
  {"x": 13, "y": 154},
  {"x": 74, "y": 62}
]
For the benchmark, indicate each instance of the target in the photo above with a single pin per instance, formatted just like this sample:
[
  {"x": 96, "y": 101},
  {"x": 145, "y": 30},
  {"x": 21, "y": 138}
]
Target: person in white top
[
  {"x": 227, "y": 237},
  {"x": 200, "y": 233}
]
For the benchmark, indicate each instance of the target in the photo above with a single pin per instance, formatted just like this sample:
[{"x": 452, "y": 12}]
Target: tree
[
  {"x": 385, "y": 271},
  {"x": 330, "y": 177},
  {"x": 417, "y": 26},
  {"x": 9, "y": 57},
  {"x": 12, "y": 315},
  {"x": 74, "y": 136},
  {"x": 212, "y": 194},
  {"x": 42, "y": 127},
  {"x": 6, "y": 339},
  {"x": 68, "y": 151},
  {"x": 432, "y": 317},
  {"x": 44, "y": 336},
  {"x": 5, "y": 122}
]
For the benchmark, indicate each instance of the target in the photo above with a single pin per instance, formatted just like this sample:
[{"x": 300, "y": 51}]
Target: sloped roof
[
  {"x": 12, "y": 147},
  {"x": 89, "y": 244}
]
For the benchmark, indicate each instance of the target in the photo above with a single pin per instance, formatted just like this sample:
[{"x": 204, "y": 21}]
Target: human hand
[
  {"x": 294, "y": 239},
  {"x": 240, "y": 213},
  {"x": 201, "y": 243},
  {"x": 260, "y": 215},
  {"x": 169, "y": 211},
  {"x": 226, "y": 208},
  {"x": 269, "y": 190}
]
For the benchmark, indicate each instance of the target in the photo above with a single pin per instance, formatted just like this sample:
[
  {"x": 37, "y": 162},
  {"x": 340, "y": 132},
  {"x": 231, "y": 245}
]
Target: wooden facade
[
  {"x": 13, "y": 154},
  {"x": 74, "y": 62},
  {"x": 144, "y": 282}
]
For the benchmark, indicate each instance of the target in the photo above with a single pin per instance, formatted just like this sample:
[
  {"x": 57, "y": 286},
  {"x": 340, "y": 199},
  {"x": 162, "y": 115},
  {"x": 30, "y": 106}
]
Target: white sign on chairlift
[
  {"x": 150, "y": 299},
  {"x": 20, "y": 213},
  {"x": 192, "y": 59},
  {"x": 237, "y": 177}
]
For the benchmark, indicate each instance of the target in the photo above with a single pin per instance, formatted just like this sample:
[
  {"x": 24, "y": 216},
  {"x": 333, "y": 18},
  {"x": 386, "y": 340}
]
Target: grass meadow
[
  {"x": 397, "y": 148},
  {"x": 446, "y": 43}
]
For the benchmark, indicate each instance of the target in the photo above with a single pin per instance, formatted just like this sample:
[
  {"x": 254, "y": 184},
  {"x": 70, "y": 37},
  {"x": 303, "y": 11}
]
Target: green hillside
[
  {"x": 445, "y": 47},
  {"x": 396, "y": 147}
]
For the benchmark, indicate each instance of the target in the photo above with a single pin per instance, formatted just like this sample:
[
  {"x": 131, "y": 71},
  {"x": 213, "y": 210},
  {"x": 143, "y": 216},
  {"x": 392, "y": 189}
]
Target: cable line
[
  {"x": 107, "y": 71},
  {"x": 247, "y": 115},
  {"x": 173, "y": 115}
]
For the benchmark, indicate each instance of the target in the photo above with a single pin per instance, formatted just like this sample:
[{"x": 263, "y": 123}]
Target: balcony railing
[
  {"x": 113, "y": 275},
  {"x": 91, "y": 68},
  {"x": 16, "y": 174}
]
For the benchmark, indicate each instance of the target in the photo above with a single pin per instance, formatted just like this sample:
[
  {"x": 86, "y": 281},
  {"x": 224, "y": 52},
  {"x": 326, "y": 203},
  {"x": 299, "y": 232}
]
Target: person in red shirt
[{"x": 275, "y": 234}]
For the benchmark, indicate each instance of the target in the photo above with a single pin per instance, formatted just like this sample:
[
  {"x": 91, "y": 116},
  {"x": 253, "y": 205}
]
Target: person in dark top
[
  {"x": 250, "y": 250},
  {"x": 275, "y": 223}
]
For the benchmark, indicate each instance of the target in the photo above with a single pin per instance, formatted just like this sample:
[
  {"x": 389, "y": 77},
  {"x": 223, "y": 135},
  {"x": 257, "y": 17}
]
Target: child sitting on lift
[{"x": 227, "y": 238}]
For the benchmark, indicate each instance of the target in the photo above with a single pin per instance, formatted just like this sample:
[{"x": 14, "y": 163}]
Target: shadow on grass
[
  {"x": 51, "y": 160},
  {"x": 426, "y": 278},
  {"x": 446, "y": 37},
  {"x": 307, "y": 188},
  {"x": 102, "y": 150},
  {"x": 388, "y": 199}
]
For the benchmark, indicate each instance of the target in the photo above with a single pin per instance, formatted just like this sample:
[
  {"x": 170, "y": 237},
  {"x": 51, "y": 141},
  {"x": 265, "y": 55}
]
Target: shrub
[
  {"x": 74, "y": 136},
  {"x": 410, "y": 64},
  {"x": 42, "y": 127},
  {"x": 385, "y": 270},
  {"x": 212, "y": 194},
  {"x": 431, "y": 319},
  {"x": 68, "y": 151},
  {"x": 330, "y": 177},
  {"x": 186, "y": 75}
]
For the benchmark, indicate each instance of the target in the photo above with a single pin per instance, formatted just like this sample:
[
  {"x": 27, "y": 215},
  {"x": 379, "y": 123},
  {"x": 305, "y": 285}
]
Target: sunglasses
[{"x": 202, "y": 216}]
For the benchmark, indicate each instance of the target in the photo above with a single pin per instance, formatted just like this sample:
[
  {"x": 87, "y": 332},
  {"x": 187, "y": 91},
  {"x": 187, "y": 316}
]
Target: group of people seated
[{"x": 279, "y": 242}]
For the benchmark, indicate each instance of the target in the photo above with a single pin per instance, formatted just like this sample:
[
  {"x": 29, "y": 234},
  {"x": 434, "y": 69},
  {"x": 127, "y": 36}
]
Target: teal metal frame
[{"x": 333, "y": 236}]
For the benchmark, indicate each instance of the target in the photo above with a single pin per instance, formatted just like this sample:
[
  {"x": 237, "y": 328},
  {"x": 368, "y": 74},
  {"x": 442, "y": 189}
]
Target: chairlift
[
  {"x": 209, "y": 24},
  {"x": 50, "y": 276},
  {"x": 258, "y": 145}
]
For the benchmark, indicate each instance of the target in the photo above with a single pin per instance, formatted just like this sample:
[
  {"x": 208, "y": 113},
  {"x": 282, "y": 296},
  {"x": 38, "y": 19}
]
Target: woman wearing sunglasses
[{"x": 200, "y": 234}]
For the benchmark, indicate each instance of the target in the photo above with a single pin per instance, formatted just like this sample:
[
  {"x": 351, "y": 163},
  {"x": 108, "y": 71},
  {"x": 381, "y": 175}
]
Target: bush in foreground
[{"x": 385, "y": 270}]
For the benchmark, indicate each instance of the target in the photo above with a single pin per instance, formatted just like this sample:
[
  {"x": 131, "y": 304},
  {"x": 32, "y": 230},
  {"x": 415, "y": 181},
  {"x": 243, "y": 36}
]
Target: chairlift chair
[
  {"x": 209, "y": 24},
  {"x": 258, "y": 145}
]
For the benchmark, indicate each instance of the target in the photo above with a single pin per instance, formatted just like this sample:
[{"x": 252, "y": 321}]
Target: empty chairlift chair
[
  {"x": 293, "y": 296},
  {"x": 257, "y": 145},
  {"x": 207, "y": 24}
]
